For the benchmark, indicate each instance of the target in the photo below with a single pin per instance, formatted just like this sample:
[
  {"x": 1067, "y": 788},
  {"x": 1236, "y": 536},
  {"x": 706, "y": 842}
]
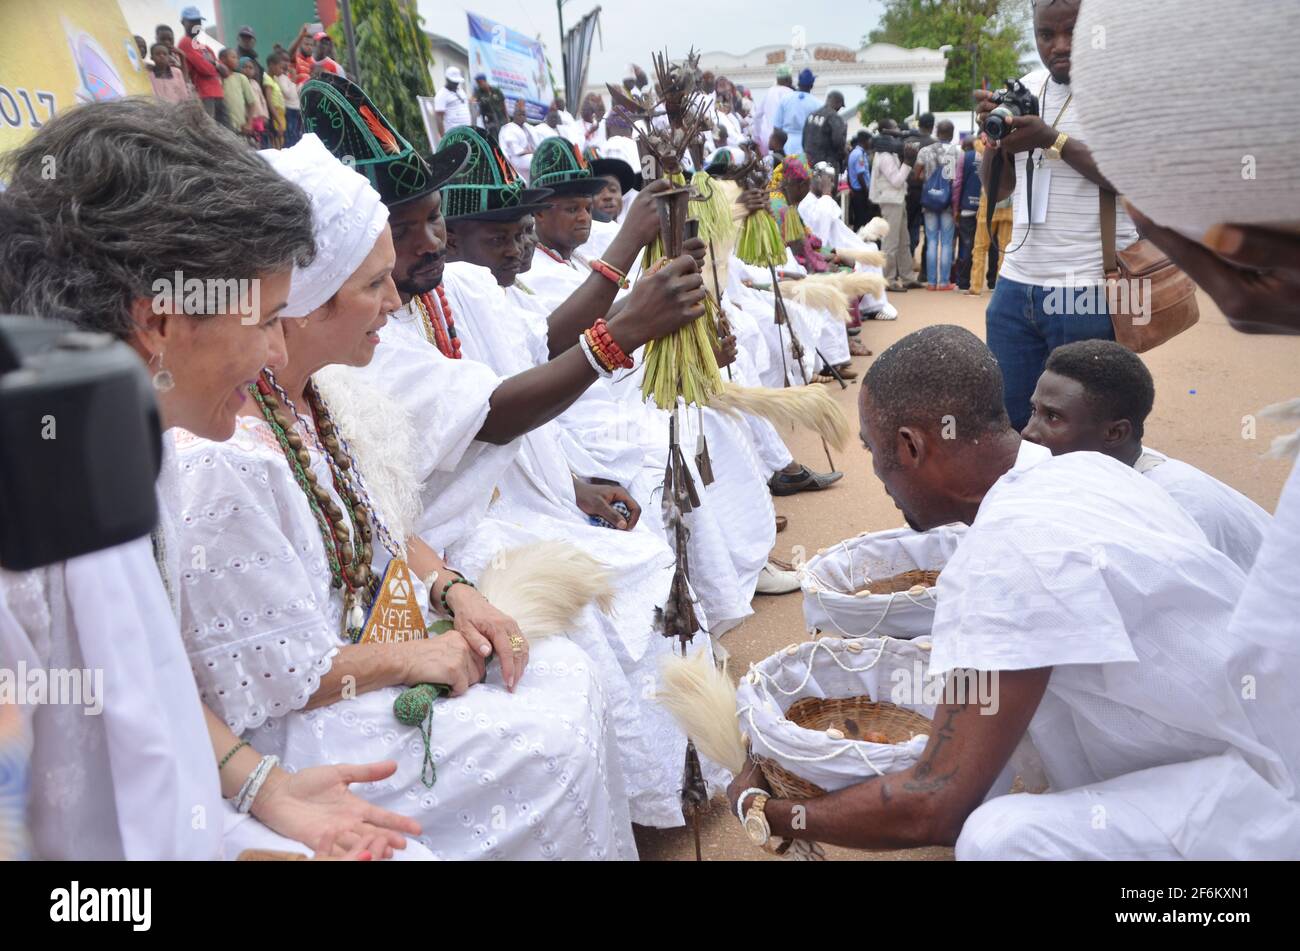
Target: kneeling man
[{"x": 1099, "y": 613}]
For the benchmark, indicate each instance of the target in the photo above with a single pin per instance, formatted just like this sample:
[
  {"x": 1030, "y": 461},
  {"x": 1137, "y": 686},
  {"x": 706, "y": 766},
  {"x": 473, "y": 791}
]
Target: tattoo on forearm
[{"x": 923, "y": 777}]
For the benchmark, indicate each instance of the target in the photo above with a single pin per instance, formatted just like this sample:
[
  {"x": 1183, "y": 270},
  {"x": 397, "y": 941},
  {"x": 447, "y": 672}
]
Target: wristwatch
[
  {"x": 1055, "y": 151},
  {"x": 756, "y": 827}
]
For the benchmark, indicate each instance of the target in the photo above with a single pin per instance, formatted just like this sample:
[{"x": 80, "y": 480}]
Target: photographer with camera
[
  {"x": 890, "y": 171},
  {"x": 1051, "y": 289}
]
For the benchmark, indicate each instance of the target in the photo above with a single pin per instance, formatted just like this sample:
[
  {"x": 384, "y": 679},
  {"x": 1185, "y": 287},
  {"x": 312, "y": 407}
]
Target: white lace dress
[{"x": 529, "y": 775}]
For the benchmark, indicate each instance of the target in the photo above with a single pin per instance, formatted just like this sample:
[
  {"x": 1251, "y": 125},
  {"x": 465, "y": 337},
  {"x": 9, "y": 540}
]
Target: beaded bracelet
[
  {"x": 596, "y": 365},
  {"x": 598, "y": 350},
  {"x": 610, "y": 345},
  {"x": 459, "y": 579},
  {"x": 609, "y": 272},
  {"x": 226, "y": 759}
]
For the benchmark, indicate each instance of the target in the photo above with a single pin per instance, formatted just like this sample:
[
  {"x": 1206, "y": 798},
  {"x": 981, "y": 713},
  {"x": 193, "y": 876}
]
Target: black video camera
[
  {"x": 80, "y": 443},
  {"x": 888, "y": 141},
  {"x": 1015, "y": 100}
]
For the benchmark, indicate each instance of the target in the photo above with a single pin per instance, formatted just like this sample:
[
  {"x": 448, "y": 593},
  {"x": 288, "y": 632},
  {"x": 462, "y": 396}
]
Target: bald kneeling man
[
  {"x": 1097, "y": 612},
  {"x": 1095, "y": 396}
]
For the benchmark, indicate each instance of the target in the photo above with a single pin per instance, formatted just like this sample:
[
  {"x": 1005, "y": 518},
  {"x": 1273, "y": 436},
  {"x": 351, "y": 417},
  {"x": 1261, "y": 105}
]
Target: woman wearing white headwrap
[{"x": 516, "y": 767}]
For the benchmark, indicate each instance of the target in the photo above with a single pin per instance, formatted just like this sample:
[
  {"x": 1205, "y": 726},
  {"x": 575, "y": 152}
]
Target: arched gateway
[{"x": 836, "y": 66}]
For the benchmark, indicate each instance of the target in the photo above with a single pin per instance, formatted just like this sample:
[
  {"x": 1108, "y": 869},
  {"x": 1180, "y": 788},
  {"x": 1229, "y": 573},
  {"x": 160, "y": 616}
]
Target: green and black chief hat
[
  {"x": 558, "y": 165},
  {"x": 487, "y": 187},
  {"x": 353, "y": 128}
]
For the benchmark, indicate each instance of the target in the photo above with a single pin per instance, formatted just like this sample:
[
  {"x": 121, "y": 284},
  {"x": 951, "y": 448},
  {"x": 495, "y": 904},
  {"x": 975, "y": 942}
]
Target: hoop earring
[{"x": 163, "y": 381}]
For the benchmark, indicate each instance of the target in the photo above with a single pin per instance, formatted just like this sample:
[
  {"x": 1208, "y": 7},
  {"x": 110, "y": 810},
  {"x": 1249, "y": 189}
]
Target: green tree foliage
[
  {"x": 996, "y": 27},
  {"x": 393, "y": 57}
]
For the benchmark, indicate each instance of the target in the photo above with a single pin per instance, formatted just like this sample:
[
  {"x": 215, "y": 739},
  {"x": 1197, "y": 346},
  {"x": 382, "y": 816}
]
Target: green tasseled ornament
[{"x": 414, "y": 707}]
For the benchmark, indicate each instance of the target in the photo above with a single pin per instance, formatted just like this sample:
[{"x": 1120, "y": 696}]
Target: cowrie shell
[{"x": 834, "y": 734}]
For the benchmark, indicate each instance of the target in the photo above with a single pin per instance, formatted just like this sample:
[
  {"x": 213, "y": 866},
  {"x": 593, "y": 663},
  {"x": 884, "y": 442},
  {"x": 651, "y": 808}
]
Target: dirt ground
[{"x": 1209, "y": 383}]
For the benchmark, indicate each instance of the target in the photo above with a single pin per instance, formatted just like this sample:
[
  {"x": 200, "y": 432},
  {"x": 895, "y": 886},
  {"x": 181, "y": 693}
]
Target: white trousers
[{"x": 1213, "y": 808}]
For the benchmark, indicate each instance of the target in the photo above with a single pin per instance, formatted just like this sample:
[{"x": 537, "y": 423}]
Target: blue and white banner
[{"x": 513, "y": 63}]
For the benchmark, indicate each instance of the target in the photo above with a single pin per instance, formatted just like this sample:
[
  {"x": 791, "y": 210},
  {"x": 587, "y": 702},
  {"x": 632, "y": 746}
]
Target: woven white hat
[
  {"x": 347, "y": 219},
  {"x": 1191, "y": 108}
]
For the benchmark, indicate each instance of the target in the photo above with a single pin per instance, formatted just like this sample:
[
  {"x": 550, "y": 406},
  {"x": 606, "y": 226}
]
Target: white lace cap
[
  {"x": 347, "y": 219},
  {"x": 1189, "y": 108}
]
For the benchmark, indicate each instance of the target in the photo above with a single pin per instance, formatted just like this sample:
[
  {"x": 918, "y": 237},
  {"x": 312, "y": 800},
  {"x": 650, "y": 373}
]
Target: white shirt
[
  {"x": 1081, "y": 564},
  {"x": 765, "y": 114},
  {"x": 517, "y": 144},
  {"x": 1268, "y": 615},
  {"x": 453, "y": 105},
  {"x": 1066, "y": 248},
  {"x": 1233, "y": 523}
]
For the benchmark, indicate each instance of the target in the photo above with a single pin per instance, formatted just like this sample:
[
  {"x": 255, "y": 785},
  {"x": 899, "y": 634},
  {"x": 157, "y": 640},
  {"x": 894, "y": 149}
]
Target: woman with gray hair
[{"x": 132, "y": 218}]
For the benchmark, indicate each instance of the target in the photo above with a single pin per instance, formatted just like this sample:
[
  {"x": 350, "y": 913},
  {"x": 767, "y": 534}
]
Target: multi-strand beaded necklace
[
  {"x": 439, "y": 327},
  {"x": 348, "y": 548}
]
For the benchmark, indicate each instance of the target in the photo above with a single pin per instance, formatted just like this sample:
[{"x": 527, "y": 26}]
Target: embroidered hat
[
  {"x": 354, "y": 129},
  {"x": 347, "y": 219},
  {"x": 558, "y": 165},
  {"x": 487, "y": 188}
]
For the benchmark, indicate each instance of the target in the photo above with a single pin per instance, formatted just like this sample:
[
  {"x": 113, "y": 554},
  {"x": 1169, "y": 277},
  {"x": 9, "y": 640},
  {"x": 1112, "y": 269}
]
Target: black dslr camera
[
  {"x": 80, "y": 443},
  {"x": 1015, "y": 100}
]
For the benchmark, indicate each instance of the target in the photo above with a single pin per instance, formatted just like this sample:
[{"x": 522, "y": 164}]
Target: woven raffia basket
[
  {"x": 916, "y": 578},
  {"x": 855, "y": 717}
]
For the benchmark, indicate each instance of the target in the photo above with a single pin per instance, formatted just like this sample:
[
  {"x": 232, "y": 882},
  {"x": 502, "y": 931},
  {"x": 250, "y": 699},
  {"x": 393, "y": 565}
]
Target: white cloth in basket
[
  {"x": 830, "y": 668},
  {"x": 830, "y": 578}
]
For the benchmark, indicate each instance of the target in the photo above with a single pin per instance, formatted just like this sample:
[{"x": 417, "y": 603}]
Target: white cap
[
  {"x": 347, "y": 218},
  {"x": 454, "y": 75},
  {"x": 1187, "y": 156}
]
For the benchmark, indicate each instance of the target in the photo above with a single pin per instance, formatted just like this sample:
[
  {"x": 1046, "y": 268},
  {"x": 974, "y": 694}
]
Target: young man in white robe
[
  {"x": 1095, "y": 396},
  {"x": 1096, "y": 616},
  {"x": 730, "y": 545}
]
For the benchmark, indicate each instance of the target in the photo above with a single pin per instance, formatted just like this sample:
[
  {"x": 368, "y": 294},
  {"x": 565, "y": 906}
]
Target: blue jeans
[
  {"x": 939, "y": 230},
  {"x": 292, "y": 126},
  {"x": 1024, "y": 323}
]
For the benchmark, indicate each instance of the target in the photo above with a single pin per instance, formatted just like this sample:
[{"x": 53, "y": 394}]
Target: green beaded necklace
[{"x": 349, "y": 563}]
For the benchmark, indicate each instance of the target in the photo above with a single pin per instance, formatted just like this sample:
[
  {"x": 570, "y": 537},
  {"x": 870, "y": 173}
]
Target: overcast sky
[{"x": 632, "y": 29}]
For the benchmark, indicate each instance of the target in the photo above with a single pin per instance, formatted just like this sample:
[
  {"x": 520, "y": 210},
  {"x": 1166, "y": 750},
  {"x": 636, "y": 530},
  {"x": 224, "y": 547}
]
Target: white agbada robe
[
  {"x": 751, "y": 357},
  {"x": 506, "y": 498},
  {"x": 1150, "y": 743},
  {"x": 1233, "y": 523},
  {"x": 731, "y": 535},
  {"x": 765, "y": 111},
  {"x": 262, "y": 626},
  {"x": 824, "y": 217},
  {"x": 517, "y": 144},
  {"x": 782, "y": 368}
]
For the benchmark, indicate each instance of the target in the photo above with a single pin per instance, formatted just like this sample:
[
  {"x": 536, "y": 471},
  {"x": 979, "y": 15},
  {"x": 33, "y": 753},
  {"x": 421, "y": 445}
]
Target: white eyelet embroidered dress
[{"x": 529, "y": 775}]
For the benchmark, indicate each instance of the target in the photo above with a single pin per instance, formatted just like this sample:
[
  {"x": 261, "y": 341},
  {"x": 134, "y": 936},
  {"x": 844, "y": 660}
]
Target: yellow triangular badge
[{"x": 395, "y": 615}]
